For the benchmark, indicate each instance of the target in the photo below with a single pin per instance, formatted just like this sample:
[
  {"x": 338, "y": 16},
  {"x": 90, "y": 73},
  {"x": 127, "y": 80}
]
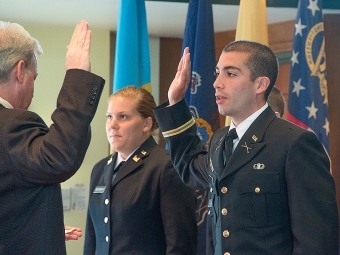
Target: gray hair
[{"x": 15, "y": 44}]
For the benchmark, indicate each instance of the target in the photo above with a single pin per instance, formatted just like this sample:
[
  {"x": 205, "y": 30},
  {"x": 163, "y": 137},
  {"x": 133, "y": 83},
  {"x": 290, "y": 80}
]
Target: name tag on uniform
[{"x": 99, "y": 189}]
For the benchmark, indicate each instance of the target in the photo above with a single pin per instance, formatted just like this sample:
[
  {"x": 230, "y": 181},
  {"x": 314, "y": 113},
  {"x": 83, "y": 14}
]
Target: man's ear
[
  {"x": 20, "y": 70},
  {"x": 263, "y": 84}
]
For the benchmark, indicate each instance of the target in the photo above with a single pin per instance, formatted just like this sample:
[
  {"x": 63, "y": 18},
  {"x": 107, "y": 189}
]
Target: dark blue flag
[
  {"x": 199, "y": 37},
  {"x": 308, "y": 97}
]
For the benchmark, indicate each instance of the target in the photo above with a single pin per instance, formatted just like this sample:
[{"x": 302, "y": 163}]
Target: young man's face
[{"x": 235, "y": 92}]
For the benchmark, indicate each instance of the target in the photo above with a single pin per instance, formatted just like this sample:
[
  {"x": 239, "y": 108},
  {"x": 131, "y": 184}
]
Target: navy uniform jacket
[
  {"x": 275, "y": 195},
  {"x": 146, "y": 210},
  {"x": 34, "y": 159}
]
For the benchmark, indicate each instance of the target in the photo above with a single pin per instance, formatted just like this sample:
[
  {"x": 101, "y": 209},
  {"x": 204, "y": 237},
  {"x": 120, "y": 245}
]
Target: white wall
[{"x": 51, "y": 68}]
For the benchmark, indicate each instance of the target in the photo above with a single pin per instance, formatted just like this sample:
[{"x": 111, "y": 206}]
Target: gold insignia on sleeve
[
  {"x": 135, "y": 158},
  {"x": 143, "y": 152},
  {"x": 180, "y": 129},
  {"x": 254, "y": 138}
]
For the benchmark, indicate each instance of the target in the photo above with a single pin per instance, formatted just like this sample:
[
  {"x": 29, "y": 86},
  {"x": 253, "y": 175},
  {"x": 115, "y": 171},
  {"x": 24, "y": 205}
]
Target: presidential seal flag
[
  {"x": 199, "y": 37},
  {"x": 308, "y": 98}
]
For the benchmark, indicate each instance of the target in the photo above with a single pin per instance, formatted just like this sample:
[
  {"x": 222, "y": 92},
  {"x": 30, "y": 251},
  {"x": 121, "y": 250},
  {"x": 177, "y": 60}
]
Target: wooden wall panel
[
  {"x": 169, "y": 56},
  {"x": 170, "y": 53},
  {"x": 332, "y": 40},
  {"x": 280, "y": 36},
  {"x": 222, "y": 39},
  {"x": 283, "y": 84}
]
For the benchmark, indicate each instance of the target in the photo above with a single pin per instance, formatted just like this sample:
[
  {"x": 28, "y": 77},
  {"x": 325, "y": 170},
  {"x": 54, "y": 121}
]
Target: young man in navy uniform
[{"x": 275, "y": 195}]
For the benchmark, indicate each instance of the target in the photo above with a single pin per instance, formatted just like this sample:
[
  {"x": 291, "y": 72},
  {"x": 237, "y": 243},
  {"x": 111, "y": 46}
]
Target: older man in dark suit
[
  {"x": 35, "y": 158},
  {"x": 274, "y": 194}
]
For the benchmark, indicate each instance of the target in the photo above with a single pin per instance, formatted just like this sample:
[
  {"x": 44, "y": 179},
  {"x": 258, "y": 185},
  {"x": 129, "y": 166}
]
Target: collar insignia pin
[
  {"x": 135, "y": 158},
  {"x": 254, "y": 138},
  {"x": 143, "y": 152},
  {"x": 246, "y": 146},
  {"x": 109, "y": 161}
]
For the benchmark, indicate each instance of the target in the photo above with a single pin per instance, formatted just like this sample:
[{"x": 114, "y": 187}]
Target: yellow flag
[
  {"x": 251, "y": 25},
  {"x": 252, "y": 21}
]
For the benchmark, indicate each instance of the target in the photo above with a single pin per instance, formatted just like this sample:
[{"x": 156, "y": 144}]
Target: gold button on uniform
[
  {"x": 226, "y": 253},
  {"x": 106, "y": 219},
  {"x": 106, "y": 201},
  {"x": 257, "y": 190},
  {"x": 224, "y": 190},
  {"x": 224, "y": 211},
  {"x": 226, "y": 233},
  {"x": 107, "y": 239}
]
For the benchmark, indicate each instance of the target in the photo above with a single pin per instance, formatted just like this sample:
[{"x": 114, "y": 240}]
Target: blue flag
[
  {"x": 308, "y": 97},
  {"x": 199, "y": 37},
  {"x": 132, "y": 57}
]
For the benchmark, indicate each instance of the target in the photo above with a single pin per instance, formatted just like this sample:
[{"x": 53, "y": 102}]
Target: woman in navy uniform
[{"x": 142, "y": 208}]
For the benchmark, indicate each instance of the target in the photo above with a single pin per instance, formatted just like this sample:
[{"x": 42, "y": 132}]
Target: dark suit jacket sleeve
[
  {"x": 45, "y": 155},
  {"x": 311, "y": 196},
  {"x": 188, "y": 154},
  {"x": 178, "y": 204}
]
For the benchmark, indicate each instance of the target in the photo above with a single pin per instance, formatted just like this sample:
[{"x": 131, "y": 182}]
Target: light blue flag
[{"x": 132, "y": 57}]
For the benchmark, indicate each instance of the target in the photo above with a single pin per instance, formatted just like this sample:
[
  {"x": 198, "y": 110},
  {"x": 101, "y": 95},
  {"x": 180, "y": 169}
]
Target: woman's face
[{"x": 126, "y": 129}]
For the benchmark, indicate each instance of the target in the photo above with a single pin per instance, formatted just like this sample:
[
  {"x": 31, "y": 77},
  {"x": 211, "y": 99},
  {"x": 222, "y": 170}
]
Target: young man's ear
[{"x": 262, "y": 84}]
